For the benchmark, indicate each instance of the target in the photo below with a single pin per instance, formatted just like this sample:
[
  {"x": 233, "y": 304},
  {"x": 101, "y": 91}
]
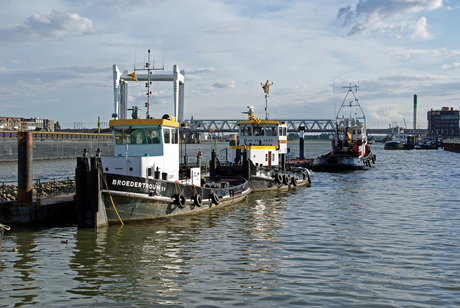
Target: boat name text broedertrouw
[
  {"x": 136, "y": 184},
  {"x": 258, "y": 140}
]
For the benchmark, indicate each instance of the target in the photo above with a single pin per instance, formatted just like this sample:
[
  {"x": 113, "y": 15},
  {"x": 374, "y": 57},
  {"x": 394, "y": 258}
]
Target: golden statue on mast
[{"x": 266, "y": 88}]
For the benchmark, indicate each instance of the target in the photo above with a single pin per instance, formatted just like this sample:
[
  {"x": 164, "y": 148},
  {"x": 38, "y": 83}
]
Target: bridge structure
[{"x": 311, "y": 126}]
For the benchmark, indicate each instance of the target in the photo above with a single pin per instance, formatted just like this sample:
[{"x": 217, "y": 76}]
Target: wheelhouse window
[
  {"x": 283, "y": 131},
  {"x": 270, "y": 131},
  {"x": 258, "y": 131},
  {"x": 167, "y": 135},
  {"x": 174, "y": 135},
  {"x": 138, "y": 135},
  {"x": 246, "y": 130},
  {"x": 243, "y": 131}
]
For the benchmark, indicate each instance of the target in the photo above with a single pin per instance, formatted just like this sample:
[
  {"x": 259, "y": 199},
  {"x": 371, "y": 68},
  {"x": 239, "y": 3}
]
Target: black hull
[
  {"x": 427, "y": 147},
  {"x": 339, "y": 163},
  {"x": 137, "y": 208},
  {"x": 268, "y": 183},
  {"x": 114, "y": 199},
  {"x": 397, "y": 146},
  {"x": 262, "y": 178}
]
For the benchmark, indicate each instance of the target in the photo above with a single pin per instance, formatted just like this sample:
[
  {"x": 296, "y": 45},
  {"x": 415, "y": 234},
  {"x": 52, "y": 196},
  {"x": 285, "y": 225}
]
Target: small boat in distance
[
  {"x": 258, "y": 154},
  {"x": 144, "y": 179},
  {"x": 429, "y": 143},
  {"x": 400, "y": 141},
  {"x": 349, "y": 142}
]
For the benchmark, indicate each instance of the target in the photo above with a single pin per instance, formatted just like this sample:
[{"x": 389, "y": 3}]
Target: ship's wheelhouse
[
  {"x": 264, "y": 141},
  {"x": 143, "y": 146}
]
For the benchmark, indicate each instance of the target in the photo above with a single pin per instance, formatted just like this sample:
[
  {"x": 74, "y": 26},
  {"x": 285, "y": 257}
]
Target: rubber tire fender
[
  {"x": 214, "y": 198},
  {"x": 278, "y": 178},
  {"x": 285, "y": 180},
  {"x": 180, "y": 200},
  {"x": 294, "y": 181},
  {"x": 197, "y": 200}
]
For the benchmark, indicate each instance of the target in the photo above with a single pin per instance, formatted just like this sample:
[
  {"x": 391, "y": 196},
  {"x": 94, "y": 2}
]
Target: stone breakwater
[{"x": 41, "y": 190}]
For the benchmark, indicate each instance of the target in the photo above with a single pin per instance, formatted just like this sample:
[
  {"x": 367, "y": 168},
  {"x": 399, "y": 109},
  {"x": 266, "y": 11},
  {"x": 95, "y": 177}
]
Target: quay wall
[
  {"x": 54, "y": 145},
  {"x": 452, "y": 145}
]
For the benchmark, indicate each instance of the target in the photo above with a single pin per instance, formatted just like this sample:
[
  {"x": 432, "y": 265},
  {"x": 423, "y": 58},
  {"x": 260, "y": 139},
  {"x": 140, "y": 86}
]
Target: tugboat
[
  {"x": 259, "y": 154},
  {"x": 349, "y": 143},
  {"x": 400, "y": 141},
  {"x": 143, "y": 180}
]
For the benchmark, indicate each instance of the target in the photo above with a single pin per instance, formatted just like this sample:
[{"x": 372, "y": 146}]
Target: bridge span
[{"x": 311, "y": 126}]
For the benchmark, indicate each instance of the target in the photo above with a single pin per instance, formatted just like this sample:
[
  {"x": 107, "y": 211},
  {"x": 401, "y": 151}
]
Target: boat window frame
[
  {"x": 270, "y": 131},
  {"x": 137, "y": 136},
  {"x": 174, "y": 136},
  {"x": 166, "y": 135},
  {"x": 258, "y": 131}
]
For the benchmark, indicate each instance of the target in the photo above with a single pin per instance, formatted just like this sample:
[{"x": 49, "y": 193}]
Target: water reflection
[
  {"x": 25, "y": 271},
  {"x": 380, "y": 237}
]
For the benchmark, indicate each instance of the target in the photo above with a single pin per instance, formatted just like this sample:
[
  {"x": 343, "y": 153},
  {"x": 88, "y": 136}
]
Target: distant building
[
  {"x": 10, "y": 123},
  {"x": 444, "y": 122},
  {"x": 21, "y": 124}
]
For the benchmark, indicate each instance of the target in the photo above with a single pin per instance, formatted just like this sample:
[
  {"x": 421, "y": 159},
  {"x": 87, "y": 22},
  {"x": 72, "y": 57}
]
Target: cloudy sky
[{"x": 56, "y": 56}]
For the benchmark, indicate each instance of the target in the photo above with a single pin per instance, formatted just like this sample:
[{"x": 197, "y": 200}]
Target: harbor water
[{"x": 386, "y": 237}]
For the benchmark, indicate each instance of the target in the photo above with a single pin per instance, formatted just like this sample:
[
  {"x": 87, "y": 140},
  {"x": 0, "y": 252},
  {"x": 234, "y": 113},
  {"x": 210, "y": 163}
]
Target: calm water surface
[{"x": 388, "y": 236}]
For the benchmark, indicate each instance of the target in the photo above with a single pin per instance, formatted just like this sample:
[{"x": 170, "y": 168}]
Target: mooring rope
[
  {"x": 177, "y": 187},
  {"x": 111, "y": 200},
  {"x": 7, "y": 228}
]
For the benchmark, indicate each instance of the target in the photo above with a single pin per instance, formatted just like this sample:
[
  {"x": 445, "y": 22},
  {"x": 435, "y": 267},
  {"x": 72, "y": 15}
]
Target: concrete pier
[
  {"x": 452, "y": 145},
  {"x": 57, "y": 210}
]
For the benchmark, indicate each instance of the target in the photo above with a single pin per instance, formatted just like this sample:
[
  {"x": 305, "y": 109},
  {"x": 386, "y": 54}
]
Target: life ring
[
  {"x": 179, "y": 199},
  {"x": 197, "y": 200},
  {"x": 278, "y": 178},
  {"x": 294, "y": 181},
  {"x": 285, "y": 180},
  {"x": 214, "y": 198}
]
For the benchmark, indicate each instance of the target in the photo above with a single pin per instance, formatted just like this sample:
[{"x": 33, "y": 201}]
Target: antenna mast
[
  {"x": 148, "y": 84},
  {"x": 266, "y": 88}
]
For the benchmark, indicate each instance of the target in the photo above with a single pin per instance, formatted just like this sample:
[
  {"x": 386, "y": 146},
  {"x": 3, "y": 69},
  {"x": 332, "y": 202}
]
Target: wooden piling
[{"x": 25, "y": 162}]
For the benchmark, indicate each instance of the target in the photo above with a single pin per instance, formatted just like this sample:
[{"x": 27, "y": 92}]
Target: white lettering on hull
[{"x": 135, "y": 184}]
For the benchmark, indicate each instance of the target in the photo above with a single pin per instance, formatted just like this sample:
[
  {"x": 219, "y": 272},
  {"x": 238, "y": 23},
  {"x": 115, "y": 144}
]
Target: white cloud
[
  {"x": 455, "y": 65},
  {"x": 230, "y": 84},
  {"x": 386, "y": 16},
  {"x": 419, "y": 29},
  {"x": 55, "y": 25}
]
